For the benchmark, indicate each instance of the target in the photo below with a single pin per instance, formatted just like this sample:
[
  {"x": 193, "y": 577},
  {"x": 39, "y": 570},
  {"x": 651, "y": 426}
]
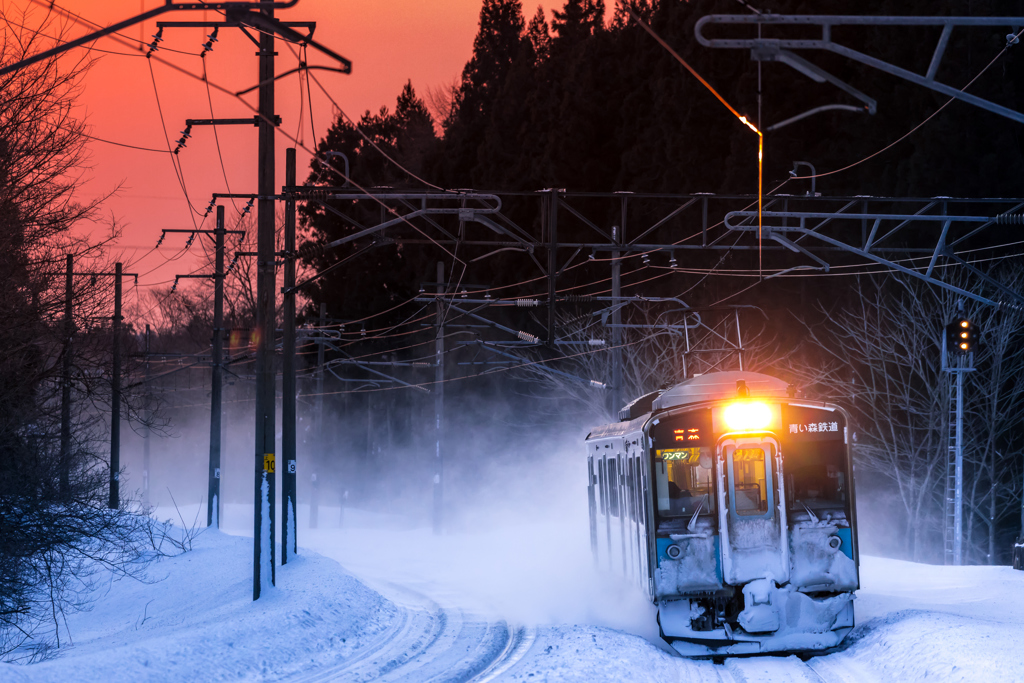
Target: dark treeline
[{"x": 590, "y": 102}]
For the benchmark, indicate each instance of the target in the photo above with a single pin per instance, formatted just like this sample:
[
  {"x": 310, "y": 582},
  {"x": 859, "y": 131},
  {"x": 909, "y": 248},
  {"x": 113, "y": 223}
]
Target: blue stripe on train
[
  {"x": 847, "y": 536},
  {"x": 664, "y": 543}
]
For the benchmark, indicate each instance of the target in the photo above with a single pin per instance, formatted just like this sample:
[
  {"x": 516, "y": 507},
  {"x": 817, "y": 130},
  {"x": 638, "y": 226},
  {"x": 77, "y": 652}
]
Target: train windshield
[
  {"x": 684, "y": 481},
  {"x": 814, "y": 459},
  {"x": 749, "y": 467},
  {"x": 815, "y": 475}
]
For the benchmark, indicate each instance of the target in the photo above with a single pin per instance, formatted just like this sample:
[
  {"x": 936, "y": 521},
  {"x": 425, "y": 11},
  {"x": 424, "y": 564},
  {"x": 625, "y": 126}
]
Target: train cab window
[
  {"x": 684, "y": 481},
  {"x": 815, "y": 475},
  {"x": 750, "y": 485},
  {"x": 613, "y": 487}
]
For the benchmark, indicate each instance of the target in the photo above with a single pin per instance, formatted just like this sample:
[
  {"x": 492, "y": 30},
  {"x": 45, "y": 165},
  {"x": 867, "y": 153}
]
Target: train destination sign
[
  {"x": 810, "y": 424},
  {"x": 686, "y": 434},
  {"x": 812, "y": 427}
]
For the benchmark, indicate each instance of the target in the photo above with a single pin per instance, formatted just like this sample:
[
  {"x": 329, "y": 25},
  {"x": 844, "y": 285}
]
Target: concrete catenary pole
[
  {"x": 217, "y": 377},
  {"x": 289, "y": 542},
  {"x": 616, "y": 325},
  {"x": 314, "y": 494},
  {"x": 265, "y": 461},
  {"x": 147, "y": 431},
  {"x": 439, "y": 402},
  {"x": 65, "y": 388},
  {"x": 115, "y": 396},
  {"x": 958, "y": 506}
]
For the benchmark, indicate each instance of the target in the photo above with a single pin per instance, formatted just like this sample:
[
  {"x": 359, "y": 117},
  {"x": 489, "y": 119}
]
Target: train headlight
[{"x": 747, "y": 416}]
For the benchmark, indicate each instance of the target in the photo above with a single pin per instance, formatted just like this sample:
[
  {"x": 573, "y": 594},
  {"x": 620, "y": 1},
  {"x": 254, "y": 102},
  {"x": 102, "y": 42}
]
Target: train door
[{"x": 755, "y": 541}]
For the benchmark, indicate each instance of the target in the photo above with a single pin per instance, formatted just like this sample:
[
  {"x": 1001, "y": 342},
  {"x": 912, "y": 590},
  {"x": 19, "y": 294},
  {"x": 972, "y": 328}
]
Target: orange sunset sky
[{"x": 388, "y": 41}]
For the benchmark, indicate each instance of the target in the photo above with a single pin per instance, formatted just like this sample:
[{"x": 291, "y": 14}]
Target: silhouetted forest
[{"x": 590, "y": 102}]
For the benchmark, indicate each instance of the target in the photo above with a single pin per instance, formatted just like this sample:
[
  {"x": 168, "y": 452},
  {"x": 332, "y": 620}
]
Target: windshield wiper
[{"x": 693, "y": 520}]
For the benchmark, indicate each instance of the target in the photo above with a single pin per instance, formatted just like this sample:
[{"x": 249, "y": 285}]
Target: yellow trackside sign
[{"x": 268, "y": 463}]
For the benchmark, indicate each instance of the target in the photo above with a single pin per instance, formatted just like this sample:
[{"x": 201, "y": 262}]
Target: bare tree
[
  {"x": 54, "y": 527},
  {"x": 994, "y": 407},
  {"x": 882, "y": 362},
  {"x": 661, "y": 347}
]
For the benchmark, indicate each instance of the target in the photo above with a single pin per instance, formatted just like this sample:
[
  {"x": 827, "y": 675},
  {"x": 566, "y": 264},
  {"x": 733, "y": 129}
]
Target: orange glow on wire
[{"x": 743, "y": 120}]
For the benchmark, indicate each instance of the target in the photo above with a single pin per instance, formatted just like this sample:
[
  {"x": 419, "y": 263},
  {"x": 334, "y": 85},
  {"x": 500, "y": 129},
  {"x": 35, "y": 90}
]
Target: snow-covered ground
[{"x": 380, "y": 600}]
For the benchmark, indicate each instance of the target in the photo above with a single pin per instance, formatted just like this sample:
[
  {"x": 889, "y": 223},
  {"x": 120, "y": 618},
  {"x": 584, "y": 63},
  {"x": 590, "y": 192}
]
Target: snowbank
[{"x": 196, "y": 620}]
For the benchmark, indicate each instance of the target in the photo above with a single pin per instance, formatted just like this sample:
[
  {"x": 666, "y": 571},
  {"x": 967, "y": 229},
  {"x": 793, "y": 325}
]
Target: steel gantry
[{"x": 775, "y": 42}]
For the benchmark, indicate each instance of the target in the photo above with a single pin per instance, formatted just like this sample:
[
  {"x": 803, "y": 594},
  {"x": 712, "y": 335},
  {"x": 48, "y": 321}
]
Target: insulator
[
  {"x": 527, "y": 303},
  {"x": 577, "y": 298},
  {"x": 595, "y": 342},
  {"x": 527, "y": 337},
  {"x": 1010, "y": 219},
  {"x": 599, "y": 385},
  {"x": 158, "y": 38},
  {"x": 310, "y": 250},
  {"x": 208, "y": 45}
]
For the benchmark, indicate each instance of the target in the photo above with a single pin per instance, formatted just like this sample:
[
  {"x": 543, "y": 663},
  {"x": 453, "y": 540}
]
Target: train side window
[
  {"x": 630, "y": 501},
  {"x": 636, "y": 488},
  {"x": 613, "y": 487}
]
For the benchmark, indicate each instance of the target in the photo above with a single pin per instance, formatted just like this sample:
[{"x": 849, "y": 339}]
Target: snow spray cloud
[{"x": 515, "y": 538}]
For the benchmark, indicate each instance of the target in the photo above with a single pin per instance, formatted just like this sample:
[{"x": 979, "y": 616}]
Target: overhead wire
[
  {"x": 918, "y": 126},
  {"x": 436, "y": 187},
  {"x": 743, "y": 119}
]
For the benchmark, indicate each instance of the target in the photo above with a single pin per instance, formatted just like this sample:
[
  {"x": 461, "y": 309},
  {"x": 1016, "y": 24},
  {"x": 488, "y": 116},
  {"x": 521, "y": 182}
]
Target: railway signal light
[{"x": 962, "y": 336}]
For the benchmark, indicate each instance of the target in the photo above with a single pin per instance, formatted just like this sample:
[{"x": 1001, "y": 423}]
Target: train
[{"x": 729, "y": 500}]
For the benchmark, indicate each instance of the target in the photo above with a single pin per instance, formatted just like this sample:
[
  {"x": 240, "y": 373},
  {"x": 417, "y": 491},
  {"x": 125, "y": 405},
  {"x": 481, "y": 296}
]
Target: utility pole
[
  {"x": 147, "y": 432},
  {"x": 289, "y": 542},
  {"x": 314, "y": 495},
  {"x": 65, "y": 388},
  {"x": 617, "y": 238},
  {"x": 115, "y": 397},
  {"x": 216, "y": 381},
  {"x": 963, "y": 354},
  {"x": 439, "y": 401},
  {"x": 213, "y": 494},
  {"x": 265, "y": 460},
  {"x": 552, "y": 261},
  {"x": 958, "y": 522}
]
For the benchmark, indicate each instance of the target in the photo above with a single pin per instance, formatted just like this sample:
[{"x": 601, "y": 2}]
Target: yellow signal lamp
[
  {"x": 964, "y": 346},
  {"x": 963, "y": 335},
  {"x": 964, "y": 323}
]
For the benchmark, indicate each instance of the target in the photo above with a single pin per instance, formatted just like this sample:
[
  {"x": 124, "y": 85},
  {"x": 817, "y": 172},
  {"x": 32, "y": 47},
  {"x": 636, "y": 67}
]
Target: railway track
[
  {"x": 429, "y": 643},
  {"x": 792, "y": 670}
]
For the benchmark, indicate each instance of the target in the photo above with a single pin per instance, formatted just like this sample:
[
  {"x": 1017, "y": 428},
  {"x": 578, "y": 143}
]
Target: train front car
[{"x": 748, "y": 515}]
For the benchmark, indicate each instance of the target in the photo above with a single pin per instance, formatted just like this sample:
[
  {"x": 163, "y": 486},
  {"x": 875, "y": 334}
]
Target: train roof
[
  {"x": 709, "y": 387},
  {"x": 717, "y": 385}
]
